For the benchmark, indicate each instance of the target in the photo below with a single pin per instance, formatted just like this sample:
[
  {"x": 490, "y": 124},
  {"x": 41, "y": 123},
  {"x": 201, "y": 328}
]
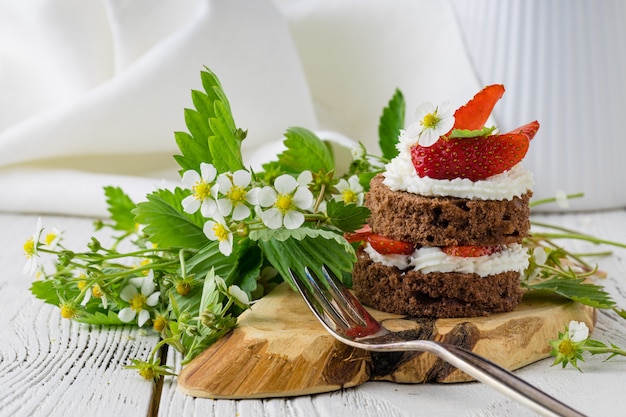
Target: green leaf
[
  {"x": 45, "y": 290},
  {"x": 120, "y": 207},
  {"x": 575, "y": 289},
  {"x": 464, "y": 133},
  {"x": 305, "y": 247},
  {"x": 347, "y": 217},
  {"x": 391, "y": 121},
  {"x": 224, "y": 144},
  {"x": 166, "y": 223},
  {"x": 305, "y": 151},
  {"x": 100, "y": 318},
  {"x": 213, "y": 136}
]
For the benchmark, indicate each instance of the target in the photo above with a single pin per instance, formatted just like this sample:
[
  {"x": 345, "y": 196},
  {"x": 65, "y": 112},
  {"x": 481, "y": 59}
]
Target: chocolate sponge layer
[
  {"x": 443, "y": 221},
  {"x": 434, "y": 294}
]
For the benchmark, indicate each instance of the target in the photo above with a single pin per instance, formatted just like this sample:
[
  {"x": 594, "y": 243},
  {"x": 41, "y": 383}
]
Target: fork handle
[{"x": 501, "y": 379}]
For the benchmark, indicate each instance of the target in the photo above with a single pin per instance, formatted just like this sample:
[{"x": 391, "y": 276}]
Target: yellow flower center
[
  {"x": 81, "y": 284},
  {"x": 221, "y": 232},
  {"x": 96, "y": 291},
  {"x": 50, "y": 237},
  {"x": 67, "y": 311},
  {"x": 566, "y": 348},
  {"x": 284, "y": 202},
  {"x": 201, "y": 190},
  {"x": 236, "y": 194},
  {"x": 138, "y": 302},
  {"x": 29, "y": 247},
  {"x": 349, "y": 196},
  {"x": 430, "y": 120}
]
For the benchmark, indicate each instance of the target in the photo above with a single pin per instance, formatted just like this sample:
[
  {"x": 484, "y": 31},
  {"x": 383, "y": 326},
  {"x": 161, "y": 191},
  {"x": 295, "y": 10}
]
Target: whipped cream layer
[
  {"x": 513, "y": 257},
  {"x": 400, "y": 175}
]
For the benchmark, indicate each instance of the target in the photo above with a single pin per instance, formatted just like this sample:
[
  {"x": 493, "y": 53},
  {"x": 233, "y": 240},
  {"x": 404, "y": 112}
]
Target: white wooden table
[{"x": 50, "y": 366}]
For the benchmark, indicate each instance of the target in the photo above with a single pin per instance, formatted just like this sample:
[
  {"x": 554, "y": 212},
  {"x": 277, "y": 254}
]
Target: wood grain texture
[{"x": 279, "y": 348}]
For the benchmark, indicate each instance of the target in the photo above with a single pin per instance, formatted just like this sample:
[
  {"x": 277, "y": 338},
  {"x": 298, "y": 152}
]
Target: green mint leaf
[
  {"x": 464, "y": 133},
  {"x": 305, "y": 151},
  {"x": 575, "y": 289},
  {"x": 213, "y": 136},
  {"x": 347, "y": 217},
  {"x": 120, "y": 207},
  {"x": 305, "y": 247},
  {"x": 165, "y": 222},
  {"x": 391, "y": 121}
]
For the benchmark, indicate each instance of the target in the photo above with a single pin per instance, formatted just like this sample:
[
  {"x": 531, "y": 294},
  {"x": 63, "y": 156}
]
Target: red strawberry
[
  {"x": 474, "y": 158},
  {"x": 475, "y": 113},
  {"x": 381, "y": 244},
  {"x": 387, "y": 246},
  {"x": 359, "y": 235},
  {"x": 470, "y": 251}
]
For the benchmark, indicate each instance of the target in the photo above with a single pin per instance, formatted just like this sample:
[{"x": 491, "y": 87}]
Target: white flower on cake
[
  {"x": 140, "y": 294},
  {"x": 217, "y": 229},
  {"x": 203, "y": 188},
  {"x": 234, "y": 188},
  {"x": 432, "y": 122},
  {"x": 286, "y": 199}
]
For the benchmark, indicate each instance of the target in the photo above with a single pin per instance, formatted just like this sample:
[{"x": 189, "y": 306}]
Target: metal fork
[{"x": 349, "y": 322}]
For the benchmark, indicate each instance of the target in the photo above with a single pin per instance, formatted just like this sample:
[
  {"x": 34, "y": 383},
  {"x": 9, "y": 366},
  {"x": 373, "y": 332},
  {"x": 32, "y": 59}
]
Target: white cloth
[{"x": 91, "y": 93}]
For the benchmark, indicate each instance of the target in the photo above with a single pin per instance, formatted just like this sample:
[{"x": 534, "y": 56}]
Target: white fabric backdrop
[{"x": 91, "y": 92}]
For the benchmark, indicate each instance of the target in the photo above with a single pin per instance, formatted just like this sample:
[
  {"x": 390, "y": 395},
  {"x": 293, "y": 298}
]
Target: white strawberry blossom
[
  {"x": 139, "y": 293},
  {"x": 216, "y": 229},
  {"x": 350, "y": 191},
  {"x": 31, "y": 250},
  {"x": 236, "y": 195},
  {"x": 432, "y": 122},
  {"x": 577, "y": 331},
  {"x": 203, "y": 188},
  {"x": 287, "y": 199}
]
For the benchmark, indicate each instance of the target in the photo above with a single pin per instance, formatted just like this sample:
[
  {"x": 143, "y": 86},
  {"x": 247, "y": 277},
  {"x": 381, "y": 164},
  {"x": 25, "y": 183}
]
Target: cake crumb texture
[
  {"x": 434, "y": 294},
  {"x": 444, "y": 221}
]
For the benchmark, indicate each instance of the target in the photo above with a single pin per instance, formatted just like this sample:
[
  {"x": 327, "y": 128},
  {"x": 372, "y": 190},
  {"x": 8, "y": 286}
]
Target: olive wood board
[{"x": 279, "y": 349}]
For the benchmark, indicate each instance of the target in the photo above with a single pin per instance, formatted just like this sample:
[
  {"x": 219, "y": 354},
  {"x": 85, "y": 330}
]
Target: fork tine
[
  {"x": 346, "y": 300},
  {"x": 318, "y": 304}
]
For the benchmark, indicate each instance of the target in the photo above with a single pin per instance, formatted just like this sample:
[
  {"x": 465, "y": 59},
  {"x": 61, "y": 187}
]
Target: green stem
[
  {"x": 553, "y": 199},
  {"x": 591, "y": 239},
  {"x": 601, "y": 350}
]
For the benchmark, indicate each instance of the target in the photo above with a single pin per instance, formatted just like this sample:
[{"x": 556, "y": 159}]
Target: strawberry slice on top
[{"x": 477, "y": 157}]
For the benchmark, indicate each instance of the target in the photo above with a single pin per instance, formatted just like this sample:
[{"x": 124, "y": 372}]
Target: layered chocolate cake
[{"x": 448, "y": 217}]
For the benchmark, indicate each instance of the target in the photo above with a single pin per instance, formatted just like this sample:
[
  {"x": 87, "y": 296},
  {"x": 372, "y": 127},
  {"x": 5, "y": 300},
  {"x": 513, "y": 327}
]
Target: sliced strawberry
[
  {"x": 473, "y": 158},
  {"x": 475, "y": 113},
  {"x": 470, "y": 251},
  {"x": 387, "y": 246},
  {"x": 529, "y": 129},
  {"x": 359, "y": 235}
]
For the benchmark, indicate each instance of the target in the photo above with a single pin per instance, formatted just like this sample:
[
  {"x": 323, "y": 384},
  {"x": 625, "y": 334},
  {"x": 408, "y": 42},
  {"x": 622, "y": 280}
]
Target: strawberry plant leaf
[
  {"x": 166, "y": 223},
  {"x": 575, "y": 289},
  {"x": 347, "y": 217},
  {"x": 120, "y": 206},
  {"x": 305, "y": 151},
  {"x": 391, "y": 121},
  {"x": 213, "y": 136}
]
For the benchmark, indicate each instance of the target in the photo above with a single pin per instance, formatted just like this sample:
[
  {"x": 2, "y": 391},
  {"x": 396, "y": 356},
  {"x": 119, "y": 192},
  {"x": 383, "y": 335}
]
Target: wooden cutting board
[{"x": 279, "y": 348}]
